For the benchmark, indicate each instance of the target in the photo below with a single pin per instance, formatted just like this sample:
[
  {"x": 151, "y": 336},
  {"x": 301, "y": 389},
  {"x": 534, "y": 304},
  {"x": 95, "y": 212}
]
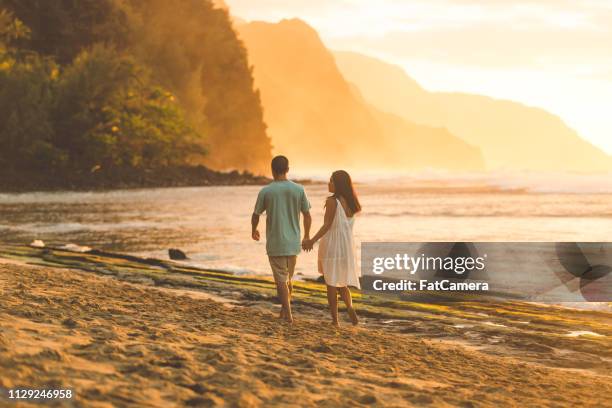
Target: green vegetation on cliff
[{"x": 125, "y": 84}]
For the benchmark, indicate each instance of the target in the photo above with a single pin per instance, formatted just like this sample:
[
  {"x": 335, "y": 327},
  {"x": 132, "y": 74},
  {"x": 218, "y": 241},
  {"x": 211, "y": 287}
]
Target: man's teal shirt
[{"x": 282, "y": 201}]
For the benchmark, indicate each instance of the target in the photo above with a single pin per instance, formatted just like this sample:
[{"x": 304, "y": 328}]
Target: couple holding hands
[{"x": 283, "y": 201}]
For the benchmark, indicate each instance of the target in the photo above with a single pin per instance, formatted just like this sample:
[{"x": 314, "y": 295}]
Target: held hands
[
  {"x": 255, "y": 235},
  {"x": 307, "y": 244}
]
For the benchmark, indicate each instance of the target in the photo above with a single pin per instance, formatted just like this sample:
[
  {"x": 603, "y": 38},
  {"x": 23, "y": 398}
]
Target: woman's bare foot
[
  {"x": 353, "y": 316},
  {"x": 335, "y": 323}
]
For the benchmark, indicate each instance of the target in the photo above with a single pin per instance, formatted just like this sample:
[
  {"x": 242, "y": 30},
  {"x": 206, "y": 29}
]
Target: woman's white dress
[{"x": 336, "y": 257}]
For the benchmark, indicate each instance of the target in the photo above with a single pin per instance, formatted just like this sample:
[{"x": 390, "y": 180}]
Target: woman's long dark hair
[{"x": 343, "y": 186}]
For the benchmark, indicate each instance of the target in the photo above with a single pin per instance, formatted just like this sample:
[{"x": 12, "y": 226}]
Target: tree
[
  {"x": 111, "y": 57},
  {"x": 25, "y": 101},
  {"x": 62, "y": 28},
  {"x": 108, "y": 113},
  {"x": 193, "y": 50}
]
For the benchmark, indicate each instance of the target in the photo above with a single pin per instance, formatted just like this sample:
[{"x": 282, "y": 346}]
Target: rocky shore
[{"x": 124, "y": 178}]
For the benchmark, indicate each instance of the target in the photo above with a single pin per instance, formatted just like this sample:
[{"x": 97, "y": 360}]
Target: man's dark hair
[{"x": 280, "y": 165}]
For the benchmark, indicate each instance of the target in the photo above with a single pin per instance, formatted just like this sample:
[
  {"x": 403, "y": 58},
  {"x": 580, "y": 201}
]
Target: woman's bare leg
[
  {"x": 345, "y": 294},
  {"x": 332, "y": 300}
]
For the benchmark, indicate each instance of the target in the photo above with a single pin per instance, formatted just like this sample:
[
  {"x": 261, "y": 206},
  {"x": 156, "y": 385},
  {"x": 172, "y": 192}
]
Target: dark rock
[
  {"x": 198, "y": 388},
  {"x": 205, "y": 401},
  {"x": 176, "y": 254},
  {"x": 70, "y": 322},
  {"x": 368, "y": 399},
  {"x": 322, "y": 348}
]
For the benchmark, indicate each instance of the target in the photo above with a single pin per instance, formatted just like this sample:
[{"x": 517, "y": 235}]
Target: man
[{"x": 282, "y": 201}]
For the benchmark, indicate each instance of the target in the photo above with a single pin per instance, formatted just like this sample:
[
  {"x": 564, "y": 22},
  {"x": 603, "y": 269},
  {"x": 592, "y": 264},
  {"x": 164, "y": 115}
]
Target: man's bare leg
[
  {"x": 291, "y": 267},
  {"x": 282, "y": 311},
  {"x": 282, "y": 288}
]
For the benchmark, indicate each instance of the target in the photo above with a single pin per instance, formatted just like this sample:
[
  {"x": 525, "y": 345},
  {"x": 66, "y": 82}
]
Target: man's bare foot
[
  {"x": 284, "y": 316},
  {"x": 335, "y": 323},
  {"x": 353, "y": 316}
]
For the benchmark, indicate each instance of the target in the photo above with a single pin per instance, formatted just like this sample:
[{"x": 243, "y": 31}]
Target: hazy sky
[{"x": 555, "y": 54}]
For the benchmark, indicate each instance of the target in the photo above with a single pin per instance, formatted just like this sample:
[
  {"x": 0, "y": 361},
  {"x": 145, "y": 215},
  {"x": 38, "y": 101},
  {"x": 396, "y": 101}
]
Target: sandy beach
[
  {"x": 164, "y": 163},
  {"x": 116, "y": 343}
]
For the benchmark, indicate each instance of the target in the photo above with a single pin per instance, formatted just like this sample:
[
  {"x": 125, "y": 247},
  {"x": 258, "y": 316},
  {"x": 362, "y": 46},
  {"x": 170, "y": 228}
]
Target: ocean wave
[
  {"x": 483, "y": 182},
  {"x": 236, "y": 270},
  {"x": 478, "y": 213},
  {"x": 68, "y": 227}
]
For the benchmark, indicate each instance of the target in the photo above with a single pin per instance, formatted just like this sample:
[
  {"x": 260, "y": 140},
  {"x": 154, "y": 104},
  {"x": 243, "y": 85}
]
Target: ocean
[{"x": 212, "y": 224}]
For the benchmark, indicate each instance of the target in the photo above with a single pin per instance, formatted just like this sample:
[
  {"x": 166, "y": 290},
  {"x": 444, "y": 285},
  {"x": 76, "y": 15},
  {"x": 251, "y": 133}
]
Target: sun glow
[{"x": 549, "y": 54}]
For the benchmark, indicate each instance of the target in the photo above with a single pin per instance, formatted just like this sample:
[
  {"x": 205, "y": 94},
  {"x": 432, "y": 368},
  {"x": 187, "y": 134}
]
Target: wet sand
[{"x": 118, "y": 343}]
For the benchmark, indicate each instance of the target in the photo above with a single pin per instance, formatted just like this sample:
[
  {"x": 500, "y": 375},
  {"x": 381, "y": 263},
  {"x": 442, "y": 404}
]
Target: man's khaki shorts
[{"x": 282, "y": 267}]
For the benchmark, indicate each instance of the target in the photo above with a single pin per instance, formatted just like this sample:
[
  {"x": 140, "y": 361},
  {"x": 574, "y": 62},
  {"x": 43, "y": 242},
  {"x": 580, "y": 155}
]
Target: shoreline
[
  {"x": 128, "y": 333},
  {"x": 515, "y": 326},
  {"x": 128, "y": 179},
  {"x": 124, "y": 178}
]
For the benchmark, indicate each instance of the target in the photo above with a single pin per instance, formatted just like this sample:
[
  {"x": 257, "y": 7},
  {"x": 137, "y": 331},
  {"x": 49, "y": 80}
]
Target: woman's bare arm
[{"x": 330, "y": 211}]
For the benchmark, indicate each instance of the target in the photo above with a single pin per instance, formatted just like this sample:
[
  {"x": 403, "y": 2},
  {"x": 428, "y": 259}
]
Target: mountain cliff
[
  {"x": 511, "y": 135},
  {"x": 317, "y": 119}
]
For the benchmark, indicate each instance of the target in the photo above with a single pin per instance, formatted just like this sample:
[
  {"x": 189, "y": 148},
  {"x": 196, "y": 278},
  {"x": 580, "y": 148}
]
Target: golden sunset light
[
  {"x": 552, "y": 54},
  {"x": 306, "y": 203}
]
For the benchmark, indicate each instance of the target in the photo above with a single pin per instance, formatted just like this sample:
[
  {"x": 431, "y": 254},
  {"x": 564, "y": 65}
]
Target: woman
[{"x": 336, "y": 260}]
